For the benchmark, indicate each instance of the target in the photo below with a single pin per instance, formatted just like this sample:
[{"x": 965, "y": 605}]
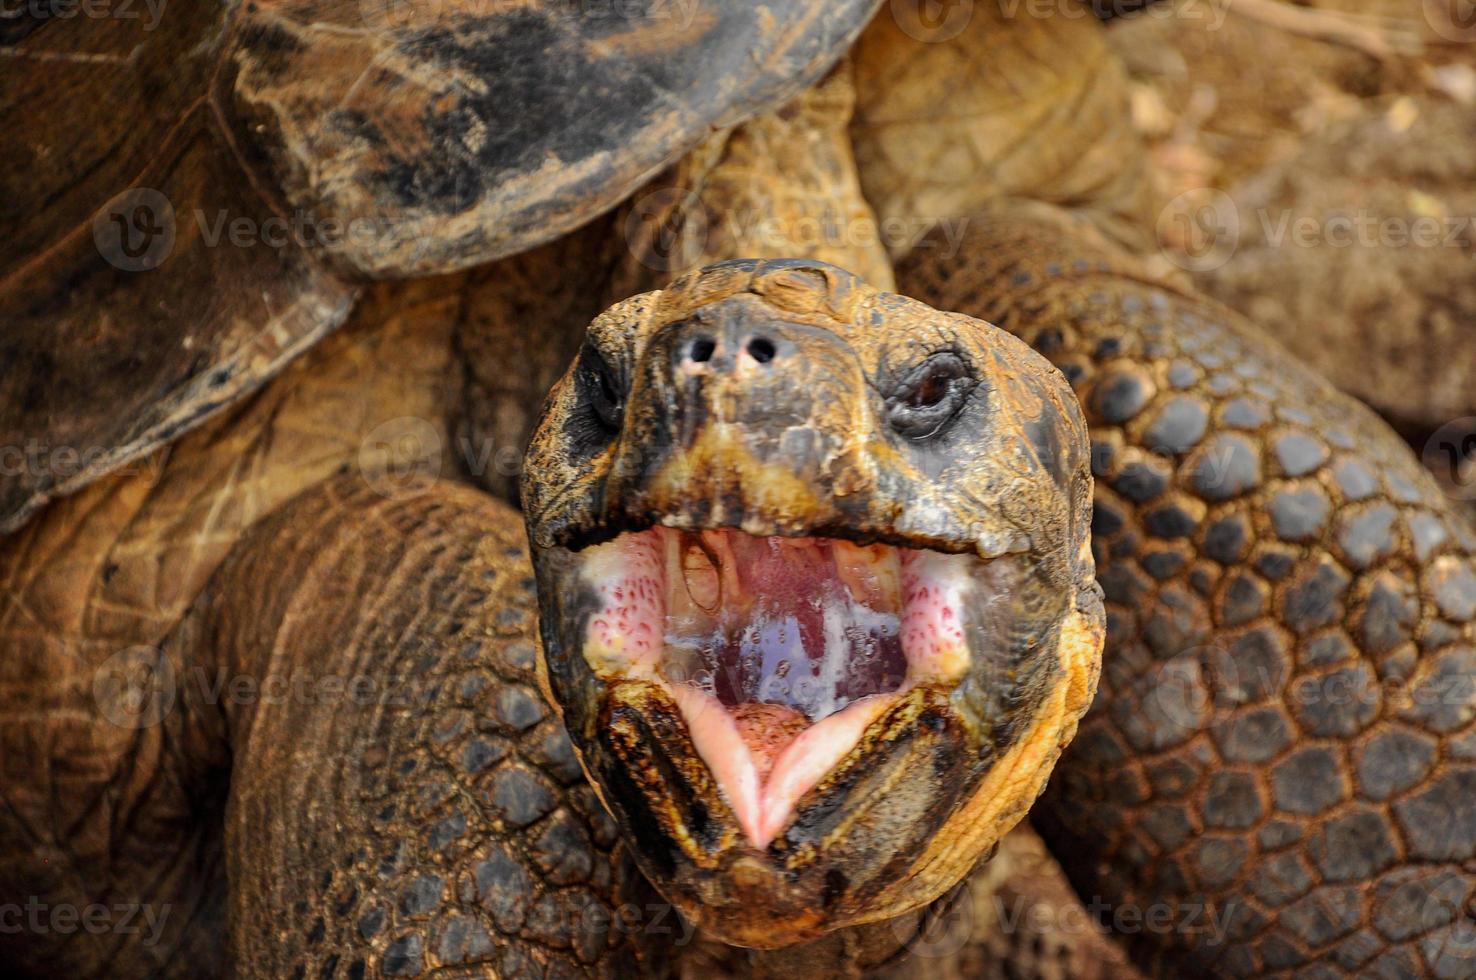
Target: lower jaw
[
  {"x": 764, "y": 801},
  {"x": 840, "y": 861},
  {"x": 902, "y": 818}
]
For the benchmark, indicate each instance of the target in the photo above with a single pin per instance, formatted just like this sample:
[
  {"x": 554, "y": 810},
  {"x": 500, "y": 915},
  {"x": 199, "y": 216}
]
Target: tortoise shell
[{"x": 196, "y": 190}]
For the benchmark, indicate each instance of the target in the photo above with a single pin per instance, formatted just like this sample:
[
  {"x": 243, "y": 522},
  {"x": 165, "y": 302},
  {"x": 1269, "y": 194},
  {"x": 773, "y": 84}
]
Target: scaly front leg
[{"x": 402, "y": 798}]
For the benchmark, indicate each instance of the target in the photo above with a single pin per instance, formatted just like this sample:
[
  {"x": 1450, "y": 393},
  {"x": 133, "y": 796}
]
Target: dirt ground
[{"x": 1315, "y": 170}]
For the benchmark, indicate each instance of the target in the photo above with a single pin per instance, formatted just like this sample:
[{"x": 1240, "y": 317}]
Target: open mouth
[{"x": 779, "y": 651}]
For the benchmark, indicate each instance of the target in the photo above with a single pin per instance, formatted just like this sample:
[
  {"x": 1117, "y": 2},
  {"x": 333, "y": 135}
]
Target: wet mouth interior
[
  {"x": 782, "y": 631},
  {"x": 779, "y": 651}
]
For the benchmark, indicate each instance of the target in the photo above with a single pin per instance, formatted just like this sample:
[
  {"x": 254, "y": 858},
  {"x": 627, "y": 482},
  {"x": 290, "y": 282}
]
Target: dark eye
[
  {"x": 929, "y": 397},
  {"x": 603, "y": 390}
]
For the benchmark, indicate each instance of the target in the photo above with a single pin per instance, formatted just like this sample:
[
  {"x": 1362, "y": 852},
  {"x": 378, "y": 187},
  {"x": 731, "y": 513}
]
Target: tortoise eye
[
  {"x": 929, "y": 398},
  {"x": 603, "y": 390},
  {"x": 934, "y": 389}
]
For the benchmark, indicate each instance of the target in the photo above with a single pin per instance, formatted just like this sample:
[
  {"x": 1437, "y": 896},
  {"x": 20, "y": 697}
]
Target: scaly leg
[{"x": 402, "y": 798}]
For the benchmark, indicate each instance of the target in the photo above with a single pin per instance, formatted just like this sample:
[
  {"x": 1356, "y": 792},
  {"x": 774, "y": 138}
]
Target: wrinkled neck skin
[{"x": 1035, "y": 110}]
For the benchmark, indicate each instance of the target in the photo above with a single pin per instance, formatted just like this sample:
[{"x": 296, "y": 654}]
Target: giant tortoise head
[{"x": 817, "y": 598}]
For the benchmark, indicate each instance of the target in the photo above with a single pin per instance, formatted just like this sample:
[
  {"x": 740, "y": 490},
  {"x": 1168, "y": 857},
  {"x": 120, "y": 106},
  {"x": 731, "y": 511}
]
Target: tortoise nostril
[
  {"x": 761, "y": 349},
  {"x": 701, "y": 350}
]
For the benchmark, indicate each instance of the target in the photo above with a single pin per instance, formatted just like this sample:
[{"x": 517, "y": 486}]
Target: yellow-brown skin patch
[
  {"x": 1012, "y": 786},
  {"x": 809, "y": 444}
]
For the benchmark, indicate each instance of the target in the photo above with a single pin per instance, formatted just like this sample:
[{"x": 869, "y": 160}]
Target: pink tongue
[{"x": 767, "y": 730}]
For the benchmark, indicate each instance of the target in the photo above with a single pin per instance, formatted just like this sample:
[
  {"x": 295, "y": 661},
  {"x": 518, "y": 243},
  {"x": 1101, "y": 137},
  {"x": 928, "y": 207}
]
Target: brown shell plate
[{"x": 191, "y": 191}]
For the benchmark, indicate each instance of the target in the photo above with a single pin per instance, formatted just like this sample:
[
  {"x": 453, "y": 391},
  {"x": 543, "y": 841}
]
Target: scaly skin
[
  {"x": 509, "y": 368},
  {"x": 1015, "y": 917},
  {"x": 266, "y": 158},
  {"x": 116, "y": 566},
  {"x": 417, "y": 805},
  {"x": 1283, "y": 739},
  {"x": 119, "y": 564},
  {"x": 98, "y": 807},
  {"x": 103, "y": 806},
  {"x": 783, "y": 185}
]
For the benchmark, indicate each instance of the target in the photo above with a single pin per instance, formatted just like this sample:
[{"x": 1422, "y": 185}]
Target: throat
[{"x": 807, "y": 624}]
